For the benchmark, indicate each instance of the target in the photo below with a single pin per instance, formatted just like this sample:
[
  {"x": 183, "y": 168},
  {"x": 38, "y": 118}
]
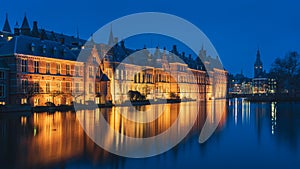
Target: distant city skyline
[{"x": 236, "y": 28}]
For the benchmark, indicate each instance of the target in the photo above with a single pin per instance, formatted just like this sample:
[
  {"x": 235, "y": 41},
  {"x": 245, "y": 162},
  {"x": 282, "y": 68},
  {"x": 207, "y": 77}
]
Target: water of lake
[{"x": 249, "y": 135}]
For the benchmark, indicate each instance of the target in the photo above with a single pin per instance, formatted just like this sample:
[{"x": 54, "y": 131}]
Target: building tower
[
  {"x": 25, "y": 29},
  {"x": 258, "y": 66},
  {"x": 111, "y": 37},
  {"x": 6, "y": 27}
]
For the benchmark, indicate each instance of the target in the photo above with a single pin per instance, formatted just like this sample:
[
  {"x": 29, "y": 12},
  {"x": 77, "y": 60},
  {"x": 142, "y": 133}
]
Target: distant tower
[
  {"x": 25, "y": 29},
  {"x": 111, "y": 37},
  {"x": 202, "y": 53},
  {"x": 258, "y": 66},
  {"x": 6, "y": 27}
]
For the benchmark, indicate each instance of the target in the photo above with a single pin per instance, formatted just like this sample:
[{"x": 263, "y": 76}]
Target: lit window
[
  {"x": 47, "y": 87},
  {"x": 57, "y": 68},
  {"x": 24, "y": 65},
  {"x": 90, "y": 88},
  {"x": 117, "y": 74},
  {"x": 77, "y": 85},
  {"x": 36, "y": 66},
  {"x": 36, "y": 87},
  {"x": 58, "y": 86},
  {"x": 24, "y": 85},
  {"x": 68, "y": 69},
  {"x": 91, "y": 74},
  {"x": 77, "y": 70},
  {"x": 23, "y": 101},
  {"x": 68, "y": 87},
  {"x": 97, "y": 88},
  {"x": 122, "y": 76},
  {"x": 48, "y": 68}
]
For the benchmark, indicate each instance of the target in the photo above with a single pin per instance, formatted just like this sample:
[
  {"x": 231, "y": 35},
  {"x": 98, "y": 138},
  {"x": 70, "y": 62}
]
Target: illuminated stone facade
[{"x": 43, "y": 68}]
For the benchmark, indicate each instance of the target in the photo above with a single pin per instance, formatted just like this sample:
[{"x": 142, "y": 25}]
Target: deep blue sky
[{"x": 236, "y": 28}]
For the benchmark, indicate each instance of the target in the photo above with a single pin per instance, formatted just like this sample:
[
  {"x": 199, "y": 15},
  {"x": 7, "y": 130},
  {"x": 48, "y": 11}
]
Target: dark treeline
[{"x": 286, "y": 71}]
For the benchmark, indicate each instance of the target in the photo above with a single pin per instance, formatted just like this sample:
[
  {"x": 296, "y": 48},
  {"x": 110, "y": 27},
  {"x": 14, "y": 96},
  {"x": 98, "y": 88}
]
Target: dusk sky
[{"x": 236, "y": 28}]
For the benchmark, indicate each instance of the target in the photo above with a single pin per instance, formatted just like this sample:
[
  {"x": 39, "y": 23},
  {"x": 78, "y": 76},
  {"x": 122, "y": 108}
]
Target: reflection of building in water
[
  {"x": 273, "y": 116},
  {"x": 44, "y": 140},
  {"x": 117, "y": 120},
  {"x": 41, "y": 66}
]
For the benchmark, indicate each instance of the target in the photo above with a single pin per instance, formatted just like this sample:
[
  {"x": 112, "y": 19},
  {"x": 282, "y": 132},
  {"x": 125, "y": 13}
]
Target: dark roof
[
  {"x": 25, "y": 44},
  {"x": 104, "y": 78},
  {"x": 6, "y": 27},
  {"x": 25, "y": 24}
]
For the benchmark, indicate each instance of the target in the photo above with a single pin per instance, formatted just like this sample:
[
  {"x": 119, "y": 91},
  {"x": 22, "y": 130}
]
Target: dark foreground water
[{"x": 250, "y": 135}]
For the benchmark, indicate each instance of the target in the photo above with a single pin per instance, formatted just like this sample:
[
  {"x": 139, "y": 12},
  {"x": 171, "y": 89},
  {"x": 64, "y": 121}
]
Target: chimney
[
  {"x": 122, "y": 44},
  {"x": 43, "y": 35},
  {"x": 35, "y": 31},
  {"x": 16, "y": 29},
  {"x": 116, "y": 40}
]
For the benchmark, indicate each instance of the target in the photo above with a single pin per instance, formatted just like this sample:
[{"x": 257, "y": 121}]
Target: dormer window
[
  {"x": 64, "y": 52},
  {"x": 32, "y": 47},
  {"x": 44, "y": 49},
  {"x": 55, "y": 50}
]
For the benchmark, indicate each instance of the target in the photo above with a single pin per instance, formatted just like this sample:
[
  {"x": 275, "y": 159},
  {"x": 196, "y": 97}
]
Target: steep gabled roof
[
  {"x": 25, "y": 24},
  {"x": 6, "y": 27}
]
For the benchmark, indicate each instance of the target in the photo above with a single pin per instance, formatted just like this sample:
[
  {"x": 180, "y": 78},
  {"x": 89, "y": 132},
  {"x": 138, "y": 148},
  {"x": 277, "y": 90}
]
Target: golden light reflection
[
  {"x": 213, "y": 111},
  {"x": 55, "y": 138},
  {"x": 273, "y": 116}
]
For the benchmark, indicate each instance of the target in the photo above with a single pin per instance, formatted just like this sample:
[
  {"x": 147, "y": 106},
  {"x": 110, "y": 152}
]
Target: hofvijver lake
[{"x": 249, "y": 135}]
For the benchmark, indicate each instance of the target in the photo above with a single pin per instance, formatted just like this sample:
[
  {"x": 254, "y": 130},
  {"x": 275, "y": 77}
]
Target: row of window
[
  {"x": 36, "y": 88},
  {"x": 36, "y": 67}
]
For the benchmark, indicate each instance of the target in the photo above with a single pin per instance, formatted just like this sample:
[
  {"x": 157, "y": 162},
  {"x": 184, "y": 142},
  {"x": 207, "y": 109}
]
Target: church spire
[
  {"x": 25, "y": 29},
  {"x": 111, "y": 37},
  {"x": 6, "y": 27},
  {"x": 258, "y": 66}
]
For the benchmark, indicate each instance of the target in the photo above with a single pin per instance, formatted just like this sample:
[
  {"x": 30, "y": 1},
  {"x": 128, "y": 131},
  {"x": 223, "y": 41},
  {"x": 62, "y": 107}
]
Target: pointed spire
[
  {"x": 6, "y": 27},
  {"x": 111, "y": 37},
  {"x": 77, "y": 32},
  {"x": 258, "y": 53},
  {"x": 25, "y": 29},
  {"x": 92, "y": 38}
]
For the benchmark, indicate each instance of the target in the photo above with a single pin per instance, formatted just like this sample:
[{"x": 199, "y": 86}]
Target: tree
[
  {"x": 30, "y": 90},
  {"x": 287, "y": 73},
  {"x": 55, "y": 94},
  {"x": 135, "y": 95}
]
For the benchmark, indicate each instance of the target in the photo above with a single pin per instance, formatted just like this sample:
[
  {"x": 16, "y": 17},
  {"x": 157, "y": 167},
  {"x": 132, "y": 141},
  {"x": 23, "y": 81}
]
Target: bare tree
[{"x": 287, "y": 72}]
